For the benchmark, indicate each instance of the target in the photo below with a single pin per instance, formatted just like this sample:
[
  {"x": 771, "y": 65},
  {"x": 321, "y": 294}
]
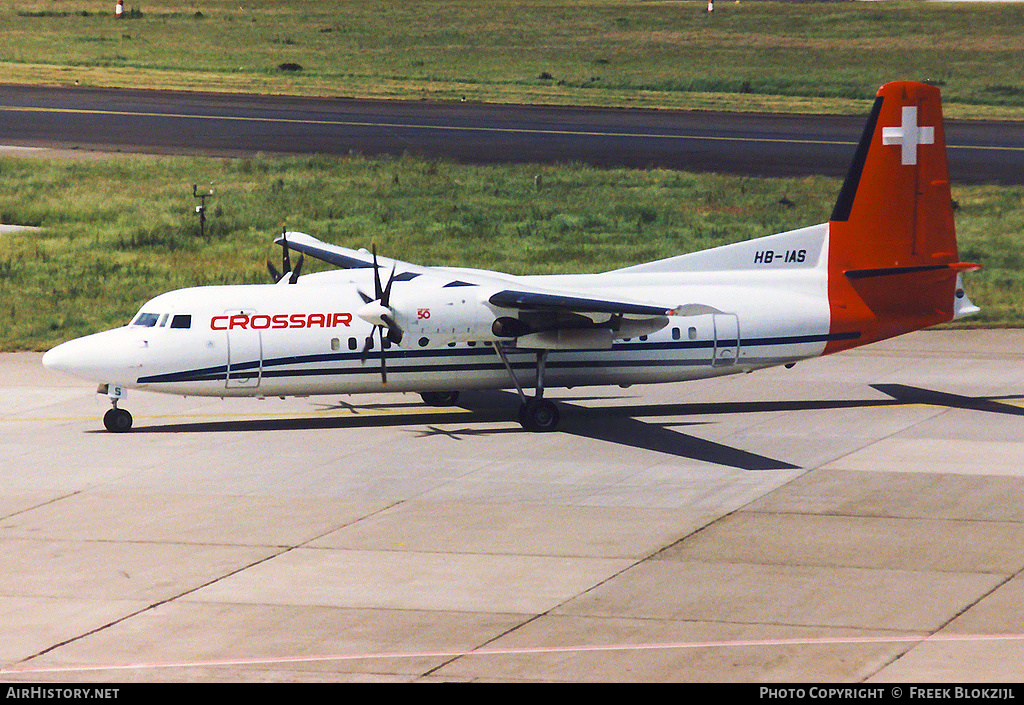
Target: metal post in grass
[{"x": 201, "y": 209}]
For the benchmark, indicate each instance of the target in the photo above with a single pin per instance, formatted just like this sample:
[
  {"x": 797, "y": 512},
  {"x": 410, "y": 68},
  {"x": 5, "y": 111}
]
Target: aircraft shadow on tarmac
[{"x": 621, "y": 425}]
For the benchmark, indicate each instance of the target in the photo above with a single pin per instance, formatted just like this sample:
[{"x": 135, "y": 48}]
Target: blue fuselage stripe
[{"x": 284, "y": 366}]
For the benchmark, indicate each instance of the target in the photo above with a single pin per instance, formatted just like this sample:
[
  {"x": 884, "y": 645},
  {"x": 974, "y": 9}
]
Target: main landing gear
[
  {"x": 440, "y": 398},
  {"x": 537, "y": 414}
]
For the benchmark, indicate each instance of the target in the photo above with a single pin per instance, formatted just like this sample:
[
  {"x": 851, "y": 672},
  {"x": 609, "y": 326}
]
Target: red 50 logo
[{"x": 422, "y": 313}]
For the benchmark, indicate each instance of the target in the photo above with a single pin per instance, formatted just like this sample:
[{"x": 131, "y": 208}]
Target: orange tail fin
[{"x": 893, "y": 263}]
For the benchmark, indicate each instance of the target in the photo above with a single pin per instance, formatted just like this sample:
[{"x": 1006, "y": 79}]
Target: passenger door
[
  {"x": 245, "y": 354},
  {"x": 727, "y": 340}
]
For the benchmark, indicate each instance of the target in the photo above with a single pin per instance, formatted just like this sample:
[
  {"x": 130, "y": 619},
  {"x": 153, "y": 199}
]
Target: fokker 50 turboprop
[{"x": 886, "y": 263}]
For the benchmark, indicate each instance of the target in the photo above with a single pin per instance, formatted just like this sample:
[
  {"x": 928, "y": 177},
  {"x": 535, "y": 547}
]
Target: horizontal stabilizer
[{"x": 893, "y": 271}]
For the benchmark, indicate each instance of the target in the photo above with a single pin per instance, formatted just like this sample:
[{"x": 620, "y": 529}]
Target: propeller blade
[
  {"x": 295, "y": 272},
  {"x": 286, "y": 261},
  {"x": 394, "y": 332},
  {"x": 274, "y": 274},
  {"x": 386, "y": 296},
  {"x": 377, "y": 289},
  {"x": 367, "y": 346}
]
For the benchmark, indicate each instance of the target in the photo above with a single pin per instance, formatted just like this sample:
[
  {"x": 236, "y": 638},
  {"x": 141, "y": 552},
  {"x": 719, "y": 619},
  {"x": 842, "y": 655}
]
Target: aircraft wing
[
  {"x": 519, "y": 296},
  {"x": 536, "y": 300},
  {"x": 343, "y": 257}
]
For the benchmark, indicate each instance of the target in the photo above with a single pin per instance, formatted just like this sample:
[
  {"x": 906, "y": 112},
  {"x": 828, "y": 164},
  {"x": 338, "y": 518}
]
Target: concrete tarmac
[{"x": 859, "y": 518}]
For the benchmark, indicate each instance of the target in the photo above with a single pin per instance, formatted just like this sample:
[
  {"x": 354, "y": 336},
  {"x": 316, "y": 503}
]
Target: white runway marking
[{"x": 524, "y": 651}]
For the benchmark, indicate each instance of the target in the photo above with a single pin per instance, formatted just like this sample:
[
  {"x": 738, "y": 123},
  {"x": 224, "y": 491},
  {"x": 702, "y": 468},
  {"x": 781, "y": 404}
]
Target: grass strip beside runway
[
  {"x": 763, "y": 56},
  {"x": 116, "y": 232}
]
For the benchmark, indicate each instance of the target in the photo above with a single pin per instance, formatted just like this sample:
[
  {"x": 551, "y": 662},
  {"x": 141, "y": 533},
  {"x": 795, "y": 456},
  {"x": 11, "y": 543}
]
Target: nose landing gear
[{"x": 115, "y": 420}]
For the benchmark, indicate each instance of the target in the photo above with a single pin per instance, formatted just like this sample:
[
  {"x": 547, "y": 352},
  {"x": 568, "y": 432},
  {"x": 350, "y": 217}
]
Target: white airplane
[{"x": 886, "y": 263}]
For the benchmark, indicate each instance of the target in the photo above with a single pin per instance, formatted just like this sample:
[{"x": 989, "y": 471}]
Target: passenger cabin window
[{"x": 182, "y": 320}]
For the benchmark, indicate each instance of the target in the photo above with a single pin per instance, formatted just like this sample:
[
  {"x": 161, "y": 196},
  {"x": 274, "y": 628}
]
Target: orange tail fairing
[{"x": 893, "y": 260}]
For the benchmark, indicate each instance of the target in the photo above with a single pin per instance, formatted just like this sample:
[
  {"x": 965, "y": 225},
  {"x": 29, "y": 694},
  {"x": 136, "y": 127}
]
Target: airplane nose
[
  {"x": 56, "y": 358},
  {"x": 101, "y": 357}
]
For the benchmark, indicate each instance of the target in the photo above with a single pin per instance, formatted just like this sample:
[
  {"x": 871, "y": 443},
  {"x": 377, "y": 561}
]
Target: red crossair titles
[{"x": 280, "y": 321}]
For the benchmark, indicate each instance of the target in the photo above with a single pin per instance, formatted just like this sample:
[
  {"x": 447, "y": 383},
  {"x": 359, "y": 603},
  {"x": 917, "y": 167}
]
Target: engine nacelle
[
  {"x": 458, "y": 314},
  {"x": 596, "y": 337},
  {"x": 568, "y": 339},
  {"x": 447, "y": 315}
]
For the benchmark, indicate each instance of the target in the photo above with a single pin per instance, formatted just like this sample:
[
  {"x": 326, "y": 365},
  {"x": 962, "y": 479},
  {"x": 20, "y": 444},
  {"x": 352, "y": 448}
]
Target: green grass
[
  {"x": 750, "y": 56},
  {"x": 119, "y": 231},
  {"x": 107, "y": 247}
]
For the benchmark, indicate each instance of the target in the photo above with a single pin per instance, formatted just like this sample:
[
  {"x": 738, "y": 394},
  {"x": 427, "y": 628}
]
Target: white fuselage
[{"x": 304, "y": 339}]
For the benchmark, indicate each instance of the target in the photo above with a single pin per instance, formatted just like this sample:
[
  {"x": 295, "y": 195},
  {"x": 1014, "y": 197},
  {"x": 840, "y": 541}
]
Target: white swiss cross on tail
[{"x": 908, "y": 135}]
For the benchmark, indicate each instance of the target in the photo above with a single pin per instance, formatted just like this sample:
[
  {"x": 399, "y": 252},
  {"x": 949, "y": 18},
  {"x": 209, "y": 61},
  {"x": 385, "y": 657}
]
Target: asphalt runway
[
  {"x": 859, "y": 518},
  {"x": 167, "y": 122}
]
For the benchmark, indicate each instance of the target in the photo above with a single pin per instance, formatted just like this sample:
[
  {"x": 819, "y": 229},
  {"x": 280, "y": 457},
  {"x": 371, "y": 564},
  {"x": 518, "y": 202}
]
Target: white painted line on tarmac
[{"x": 527, "y": 650}]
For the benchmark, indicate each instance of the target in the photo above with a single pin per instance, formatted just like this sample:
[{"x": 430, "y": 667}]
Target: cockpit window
[
  {"x": 146, "y": 320},
  {"x": 181, "y": 320}
]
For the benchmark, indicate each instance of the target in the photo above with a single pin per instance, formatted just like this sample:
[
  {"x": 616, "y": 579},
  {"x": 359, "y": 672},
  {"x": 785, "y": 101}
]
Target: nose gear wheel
[{"x": 117, "y": 420}]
